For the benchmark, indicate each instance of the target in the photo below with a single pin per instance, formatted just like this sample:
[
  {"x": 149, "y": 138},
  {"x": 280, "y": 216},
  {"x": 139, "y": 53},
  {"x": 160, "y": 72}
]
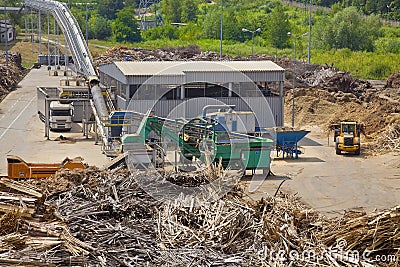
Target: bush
[
  {"x": 379, "y": 70},
  {"x": 161, "y": 32},
  {"x": 347, "y": 29}
]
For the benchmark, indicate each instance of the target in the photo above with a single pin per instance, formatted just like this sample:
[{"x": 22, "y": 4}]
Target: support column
[
  {"x": 26, "y": 25},
  {"x": 96, "y": 137},
  {"x": 48, "y": 41},
  {"x": 47, "y": 118},
  {"x": 32, "y": 33},
  {"x": 282, "y": 103},
  {"x": 40, "y": 32},
  {"x": 127, "y": 93},
  {"x": 86, "y": 114},
  {"x": 182, "y": 91},
  {"x": 230, "y": 87}
]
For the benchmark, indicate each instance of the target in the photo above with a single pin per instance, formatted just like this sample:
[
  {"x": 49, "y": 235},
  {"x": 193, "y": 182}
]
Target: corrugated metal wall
[{"x": 268, "y": 110}]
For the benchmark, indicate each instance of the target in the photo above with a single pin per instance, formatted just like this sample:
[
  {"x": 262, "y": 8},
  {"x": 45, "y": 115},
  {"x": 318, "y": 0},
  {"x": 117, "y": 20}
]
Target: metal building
[
  {"x": 164, "y": 85},
  {"x": 7, "y": 31}
]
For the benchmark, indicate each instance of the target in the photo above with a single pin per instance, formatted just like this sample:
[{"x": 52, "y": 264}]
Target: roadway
[
  {"x": 22, "y": 133},
  {"x": 331, "y": 183}
]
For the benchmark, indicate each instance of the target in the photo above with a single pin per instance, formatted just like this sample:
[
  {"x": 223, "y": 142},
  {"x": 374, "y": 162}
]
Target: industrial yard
[
  {"x": 174, "y": 157},
  {"x": 307, "y": 197}
]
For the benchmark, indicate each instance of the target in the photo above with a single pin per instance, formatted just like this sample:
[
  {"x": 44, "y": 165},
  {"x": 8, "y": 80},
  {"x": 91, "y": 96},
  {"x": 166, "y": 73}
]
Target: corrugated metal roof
[{"x": 150, "y": 68}]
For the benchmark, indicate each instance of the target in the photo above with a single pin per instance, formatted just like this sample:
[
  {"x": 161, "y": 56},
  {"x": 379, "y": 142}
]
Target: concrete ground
[
  {"x": 331, "y": 183},
  {"x": 22, "y": 132}
]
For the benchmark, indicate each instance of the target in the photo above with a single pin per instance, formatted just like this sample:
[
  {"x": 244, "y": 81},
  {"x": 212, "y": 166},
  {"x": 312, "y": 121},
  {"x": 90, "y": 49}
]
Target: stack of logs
[{"x": 103, "y": 218}]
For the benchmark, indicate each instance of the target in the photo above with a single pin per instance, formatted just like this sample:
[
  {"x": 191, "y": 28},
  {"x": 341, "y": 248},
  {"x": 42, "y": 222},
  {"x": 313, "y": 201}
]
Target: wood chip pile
[
  {"x": 11, "y": 74},
  {"x": 105, "y": 219}
]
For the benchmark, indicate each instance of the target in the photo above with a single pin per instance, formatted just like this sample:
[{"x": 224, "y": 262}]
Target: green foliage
[
  {"x": 109, "y": 8},
  {"x": 389, "y": 9},
  {"x": 379, "y": 70},
  {"x": 99, "y": 27},
  {"x": 161, "y": 32},
  {"x": 171, "y": 10},
  {"x": 189, "y": 10},
  {"x": 190, "y": 32},
  {"x": 210, "y": 24},
  {"x": 388, "y": 45},
  {"x": 180, "y": 11},
  {"x": 125, "y": 26},
  {"x": 277, "y": 28},
  {"x": 368, "y": 65},
  {"x": 347, "y": 29}
]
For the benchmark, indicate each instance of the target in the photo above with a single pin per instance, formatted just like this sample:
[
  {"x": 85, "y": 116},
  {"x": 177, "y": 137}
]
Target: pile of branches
[
  {"x": 331, "y": 80},
  {"x": 375, "y": 234},
  {"x": 104, "y": 218},
  {"x": 242, "y": 232},
  {"x": 390, "y": 138},
  {"x": 32, "y": 232},
  {"x": 11, "y": 74}
]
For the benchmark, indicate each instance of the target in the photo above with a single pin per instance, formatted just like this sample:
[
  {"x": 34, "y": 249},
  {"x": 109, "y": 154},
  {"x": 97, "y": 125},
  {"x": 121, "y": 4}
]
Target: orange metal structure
[{"x": 18, "y": 168}]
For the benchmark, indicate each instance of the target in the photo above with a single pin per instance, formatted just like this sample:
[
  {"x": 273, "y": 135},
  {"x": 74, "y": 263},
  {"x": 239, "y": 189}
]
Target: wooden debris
[
  {"x": 390, "y": 138},
  {"x": 11, "y": 74},
  {"x": 393, "y": 81},
  {"x": 105, "y": 219}
]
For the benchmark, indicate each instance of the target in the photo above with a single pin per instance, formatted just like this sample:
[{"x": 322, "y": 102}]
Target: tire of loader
[
  {"x": 338, "y": 152},
  {"x": 357, "y": 152}
]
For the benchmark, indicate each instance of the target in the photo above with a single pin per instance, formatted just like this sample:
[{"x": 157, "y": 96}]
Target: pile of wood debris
[
  {"x": 11, "y": 74},
  {"x": 390, "y": 138},
  {"x": 393, "y": 81},
  {"x": 104, "y": 219}
]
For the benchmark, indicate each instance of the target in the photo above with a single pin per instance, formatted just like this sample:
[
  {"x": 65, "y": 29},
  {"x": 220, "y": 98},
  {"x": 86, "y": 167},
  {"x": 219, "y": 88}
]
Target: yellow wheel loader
[{"x": 347, "y": 137}]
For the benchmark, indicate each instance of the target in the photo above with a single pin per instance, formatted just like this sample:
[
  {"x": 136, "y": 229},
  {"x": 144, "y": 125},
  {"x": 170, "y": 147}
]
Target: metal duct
[
  {"x": 206, "y": 108},
  {"x": 80, "y": 52},
  {"x": 99, "y": 102}
]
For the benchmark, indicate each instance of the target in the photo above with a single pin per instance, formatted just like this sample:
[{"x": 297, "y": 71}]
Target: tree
[
  {"x": 171, "y": 10},
  {"x": 347, "y": 29},
  {"x": 277, "y": 28},
  {"x": 189, "y": 10},
  {"x": 99, "y": 27},
  {"x": 125, "y": 27},
  {"x": 210, "y": 24},
  {"x": 109, "y": 8},
  {"x": 161, "y": 32}
]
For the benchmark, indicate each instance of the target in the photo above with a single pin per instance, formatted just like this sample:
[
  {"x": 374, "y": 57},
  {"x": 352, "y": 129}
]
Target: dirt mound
[{"x": 320, "y": 107}]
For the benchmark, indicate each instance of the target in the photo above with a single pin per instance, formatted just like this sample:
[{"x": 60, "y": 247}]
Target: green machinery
[{"x": 201, "y": 139}]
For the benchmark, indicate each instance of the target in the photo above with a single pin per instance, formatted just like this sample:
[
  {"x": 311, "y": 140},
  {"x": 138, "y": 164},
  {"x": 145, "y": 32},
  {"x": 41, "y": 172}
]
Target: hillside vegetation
[{"x": 342, "y": 36}]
